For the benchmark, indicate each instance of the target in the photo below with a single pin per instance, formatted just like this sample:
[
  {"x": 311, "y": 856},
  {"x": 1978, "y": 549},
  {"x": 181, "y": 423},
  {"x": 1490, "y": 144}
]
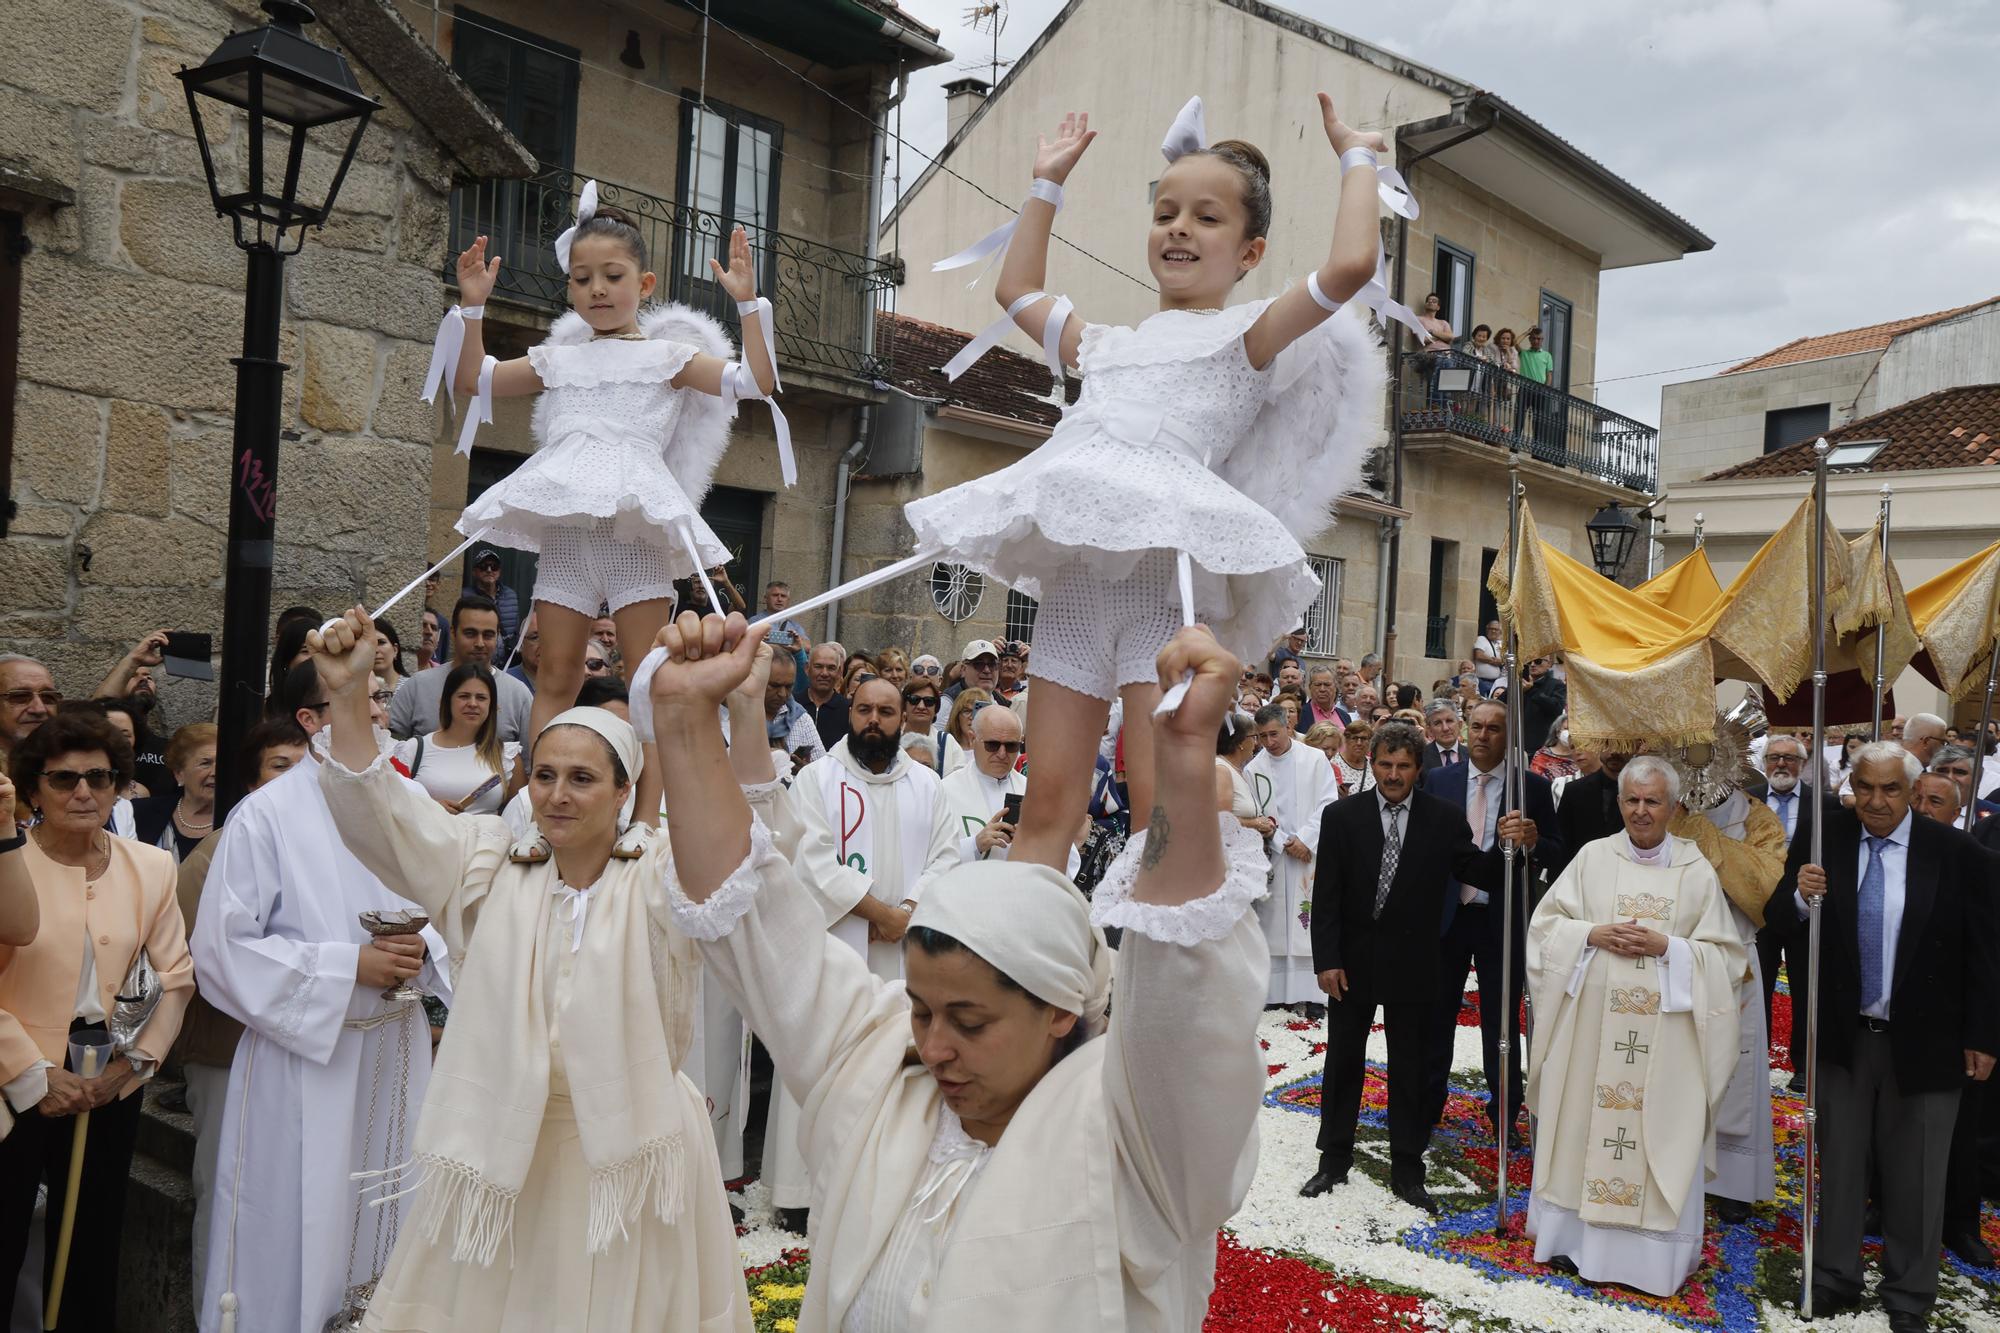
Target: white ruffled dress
[
  {"x": 1133, "y": 468},
  {"x": 605, "y": 425}
]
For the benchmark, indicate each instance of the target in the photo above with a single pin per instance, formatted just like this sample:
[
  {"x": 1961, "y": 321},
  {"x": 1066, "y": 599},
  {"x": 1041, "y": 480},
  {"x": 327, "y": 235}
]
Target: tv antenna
[{"x": 989, "y": 17}]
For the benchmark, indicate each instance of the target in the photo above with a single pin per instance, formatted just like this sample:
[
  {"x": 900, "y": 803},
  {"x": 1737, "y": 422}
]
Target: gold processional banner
[{"x": 1957, "y": 614}]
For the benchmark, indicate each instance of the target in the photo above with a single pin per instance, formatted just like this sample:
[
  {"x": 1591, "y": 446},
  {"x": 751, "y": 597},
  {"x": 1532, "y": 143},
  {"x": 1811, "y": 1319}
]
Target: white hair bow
[
  {"x": 1188, "y": 133},
  {"x": 586, "y": 209}
]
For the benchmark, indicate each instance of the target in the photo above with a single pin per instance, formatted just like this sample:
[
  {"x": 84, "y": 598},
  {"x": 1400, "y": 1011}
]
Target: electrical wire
[{"x": 471, "y": 21}]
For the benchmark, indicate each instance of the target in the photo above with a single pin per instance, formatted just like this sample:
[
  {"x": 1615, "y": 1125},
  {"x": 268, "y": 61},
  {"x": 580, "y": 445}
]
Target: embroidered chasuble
[{"x": 1632, "y": 1055}]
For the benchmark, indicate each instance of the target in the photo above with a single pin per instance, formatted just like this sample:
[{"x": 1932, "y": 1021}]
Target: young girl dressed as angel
[
  {"x": 632, "y": 420},
  {"x": 1195, "y": 444}
]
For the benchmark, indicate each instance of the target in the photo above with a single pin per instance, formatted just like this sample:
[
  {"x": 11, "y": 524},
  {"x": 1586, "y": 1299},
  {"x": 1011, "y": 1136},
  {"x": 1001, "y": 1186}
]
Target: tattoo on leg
[{"x": 1156, "y": 837}]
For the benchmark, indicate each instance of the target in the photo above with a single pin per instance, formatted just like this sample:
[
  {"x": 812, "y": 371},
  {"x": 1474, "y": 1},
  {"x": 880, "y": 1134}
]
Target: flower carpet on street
[{"x": 1358, "y": 1258}]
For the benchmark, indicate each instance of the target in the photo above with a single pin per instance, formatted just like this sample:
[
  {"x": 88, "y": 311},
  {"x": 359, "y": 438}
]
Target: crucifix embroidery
[
  {"x": 1620, "y": 1144},
  {"x": 1631, "y": 1046}
]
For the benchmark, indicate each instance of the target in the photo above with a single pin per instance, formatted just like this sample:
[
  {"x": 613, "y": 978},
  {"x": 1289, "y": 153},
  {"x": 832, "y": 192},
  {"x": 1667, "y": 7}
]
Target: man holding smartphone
[{"x": 977, "y": 793}]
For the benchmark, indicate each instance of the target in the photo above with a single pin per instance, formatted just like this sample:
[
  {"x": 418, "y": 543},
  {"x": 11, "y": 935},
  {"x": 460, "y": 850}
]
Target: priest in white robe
[
  {"x": 975, "y": 793},
  {"x": 1633, "y": 964},
  {"x": 1293, "y": 784},
  {"x": 1744, "y": 842},
  {"x": 874, "y": 832},
  {"x": 278, "y": 945}
]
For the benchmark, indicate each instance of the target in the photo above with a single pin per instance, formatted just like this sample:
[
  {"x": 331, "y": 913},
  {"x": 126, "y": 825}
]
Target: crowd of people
[{"x": 1385, "y": 848}]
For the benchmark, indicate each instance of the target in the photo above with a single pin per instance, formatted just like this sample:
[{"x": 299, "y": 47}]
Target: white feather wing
[{"x": 1322, "y": 417}]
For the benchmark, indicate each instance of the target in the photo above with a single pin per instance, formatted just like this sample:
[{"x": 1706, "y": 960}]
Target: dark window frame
[
  {"x": 1461, "y": 327},
  {"x": 1781, "y": 426},
  {"x": 1559, "y": 372},
  {"x": 686, "y": 286},
  {"x": 483, "y": 27}
]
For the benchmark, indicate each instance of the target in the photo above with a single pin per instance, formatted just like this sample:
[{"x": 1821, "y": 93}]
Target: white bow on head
[
  {"x": 1188, "y": 134},
  {"x": 586, "y": 209}
]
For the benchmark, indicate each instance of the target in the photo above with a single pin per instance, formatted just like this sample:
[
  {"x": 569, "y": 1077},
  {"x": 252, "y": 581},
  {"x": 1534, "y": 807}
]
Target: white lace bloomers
[
  {"x": 607, "y": 413},
  {"x": 1131, "y": 469}
]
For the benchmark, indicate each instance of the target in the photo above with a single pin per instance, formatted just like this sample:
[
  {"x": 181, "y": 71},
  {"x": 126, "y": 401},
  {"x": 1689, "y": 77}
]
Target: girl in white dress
[
  {"x": 629, "y": 430},
  {"x": 1193, "y": 441}
]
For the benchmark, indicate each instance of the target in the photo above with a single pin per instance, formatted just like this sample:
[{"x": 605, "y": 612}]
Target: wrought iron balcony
[
  {"x": 823, "y": 299},
  {"x": 1437, "y": 636},
  {"x": 1458, "y": 394}
]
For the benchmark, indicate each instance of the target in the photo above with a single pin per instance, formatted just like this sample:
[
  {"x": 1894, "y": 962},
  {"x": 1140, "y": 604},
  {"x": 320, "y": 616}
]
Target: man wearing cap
[
  {"x": 981, "y": 663},
  {"x": 1013, "y": 669},
  {"x": 486, "y": 579}
]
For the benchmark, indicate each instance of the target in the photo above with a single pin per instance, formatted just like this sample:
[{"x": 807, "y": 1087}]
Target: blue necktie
[
  {"x": 1785, "y": 814},
  {"x": 1870, "y": 927}
]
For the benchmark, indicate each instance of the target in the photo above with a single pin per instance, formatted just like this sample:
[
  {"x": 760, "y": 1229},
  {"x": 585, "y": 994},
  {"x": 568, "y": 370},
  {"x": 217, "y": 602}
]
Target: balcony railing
[
  {"x": 1437, "y": 636},
  {"x": 824, "y": 300},
  {"x": 1465, "y": 396}
]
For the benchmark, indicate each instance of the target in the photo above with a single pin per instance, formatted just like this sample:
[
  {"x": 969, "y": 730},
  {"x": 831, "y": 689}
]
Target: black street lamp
[
  {"x": 1612, "y": 532},
  {"x": 301, "y": 114}
]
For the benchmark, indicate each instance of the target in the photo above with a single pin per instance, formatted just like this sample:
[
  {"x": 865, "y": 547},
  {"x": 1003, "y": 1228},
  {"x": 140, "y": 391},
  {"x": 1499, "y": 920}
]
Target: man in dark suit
[
  {"x": 1442, "y": 724},
  {"x": 1909, "y": 986},
  {"x": 1473, "y": 924},
  {"x": 1937, "y": 797},
  {"x": 1384, "y": 859},
  {"x": 1322, "y": 700},
  {"x": 1589, "y": 809}
]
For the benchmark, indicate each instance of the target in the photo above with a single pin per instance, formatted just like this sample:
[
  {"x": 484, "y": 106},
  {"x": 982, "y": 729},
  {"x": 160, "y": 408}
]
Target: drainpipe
[
  {"x": 1387, "y": 535},
  {"x": 1386, "y": 615},
  {"x": 864, "y": 420}
]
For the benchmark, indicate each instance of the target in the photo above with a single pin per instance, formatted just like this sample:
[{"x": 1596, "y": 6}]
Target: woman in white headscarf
[
  {"x": 565, "y": 1172},
  {"x": 985, "y": 1154}
]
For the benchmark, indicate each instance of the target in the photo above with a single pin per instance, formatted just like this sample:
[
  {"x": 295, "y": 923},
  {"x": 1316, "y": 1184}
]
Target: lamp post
[
  {"x": 300, "y": 114},
  {"x": 1612, "y": 532}
]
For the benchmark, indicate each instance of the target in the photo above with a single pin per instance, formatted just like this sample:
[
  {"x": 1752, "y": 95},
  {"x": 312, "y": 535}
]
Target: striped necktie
[{"x": 1392, "y": 852}]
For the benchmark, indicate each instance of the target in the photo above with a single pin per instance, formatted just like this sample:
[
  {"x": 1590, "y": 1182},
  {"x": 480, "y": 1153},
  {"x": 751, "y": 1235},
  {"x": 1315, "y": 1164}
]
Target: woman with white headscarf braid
[
  {"x": 565, "y": 1173},
  {"x": 982, "y": 1158}
]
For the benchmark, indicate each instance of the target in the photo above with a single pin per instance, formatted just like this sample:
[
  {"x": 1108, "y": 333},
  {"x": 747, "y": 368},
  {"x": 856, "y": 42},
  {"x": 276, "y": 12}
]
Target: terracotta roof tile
[
  {"x": 1873, "y": 338},
  {"x": 1935, "y": 431},
  {"x": 1002, "y": 382}
]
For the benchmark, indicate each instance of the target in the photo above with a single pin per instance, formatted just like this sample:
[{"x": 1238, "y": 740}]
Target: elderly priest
[{"x": 1632, "y": 963}]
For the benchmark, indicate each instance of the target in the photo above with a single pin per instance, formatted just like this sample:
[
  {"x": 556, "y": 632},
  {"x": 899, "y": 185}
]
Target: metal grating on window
[
  {"x": 1323, "y": 616},
  {"x": 1020, "y": 616}
]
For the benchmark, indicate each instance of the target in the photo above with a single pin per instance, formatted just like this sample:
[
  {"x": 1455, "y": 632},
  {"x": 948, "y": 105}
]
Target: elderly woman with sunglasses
[
  {"x": 921, "y": 697},
  {"x": 102, "y": 901}
]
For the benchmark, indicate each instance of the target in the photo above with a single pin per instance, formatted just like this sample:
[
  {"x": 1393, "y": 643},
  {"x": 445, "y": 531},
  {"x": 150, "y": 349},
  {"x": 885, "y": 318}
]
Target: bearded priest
[{"x": 1632, "y": 962}]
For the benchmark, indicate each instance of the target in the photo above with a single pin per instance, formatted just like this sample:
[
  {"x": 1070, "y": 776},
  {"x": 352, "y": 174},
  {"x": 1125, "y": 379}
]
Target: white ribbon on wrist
[
  {"x": 445, "y": 347},
  {"x": 586, "y": 209},
  {"x": 472, "y": 312},
  {"x": 994, "y": 243},
  {"x": 480, "y": 409},
  {"x": 740, "y": 382},
  {"x": 989, "y": 337}
]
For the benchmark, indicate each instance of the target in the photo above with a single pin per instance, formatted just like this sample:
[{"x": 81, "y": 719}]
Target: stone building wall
[{"x": 132, "y": 309}]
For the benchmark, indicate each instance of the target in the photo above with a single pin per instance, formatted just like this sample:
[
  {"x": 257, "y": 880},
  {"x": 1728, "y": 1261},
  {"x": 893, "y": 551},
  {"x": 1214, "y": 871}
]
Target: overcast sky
[{"x": 1841, "y": 153}]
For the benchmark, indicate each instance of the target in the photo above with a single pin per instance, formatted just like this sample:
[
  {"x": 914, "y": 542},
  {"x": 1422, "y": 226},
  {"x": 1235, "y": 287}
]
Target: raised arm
[
  {"x": 1182, "y": 1075},
  {"x": 1026, "y": 267},
  {"x": 511, "y": 379},
  {"x": 1350, "y": 260},
  {"x": 443, "y": 861},
  {"x": 808, "y": 996},
  {"x": 703, "y": 372},
  {"x": 148, "y": 652}
]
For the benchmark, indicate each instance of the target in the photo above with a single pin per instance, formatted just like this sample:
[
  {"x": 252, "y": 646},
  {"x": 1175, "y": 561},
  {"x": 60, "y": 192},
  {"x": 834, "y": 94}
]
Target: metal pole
[
  {"x": 253, "y": 512},
  {"x": 1699, "y": 540},
  {"x": 1882, "y": 629},
  {"x": 1809, "y": 1212},
  {"x": 1985, "y": 721},
  {"x": 1510, "y": 800}
]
